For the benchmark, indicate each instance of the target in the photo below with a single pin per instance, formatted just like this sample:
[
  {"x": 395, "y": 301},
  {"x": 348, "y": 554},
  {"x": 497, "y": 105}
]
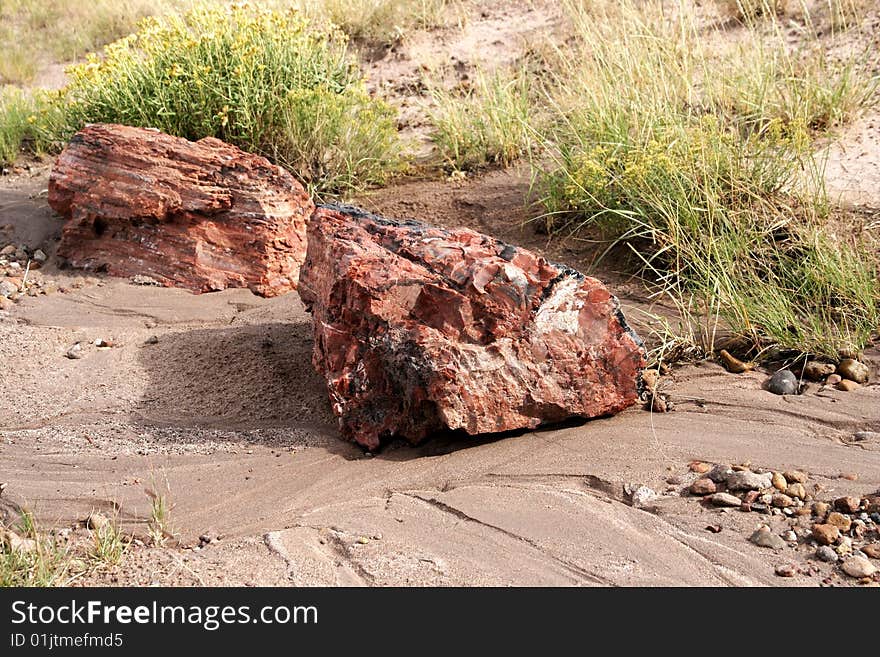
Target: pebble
[
  {"x": 848, "y": 386},
  {"x": 209, "y": 537},
  {"x": 790, "y": 536},
  {"x": 797, "y": 490},
  {"x": 783, "y": 382},
  {"x": 847, "y": 504},
  {"x": 839, "y": 520},
  {"x": 786, "y": 570},
  {"x": 734, "y": 364},
  {"x": 7, "y": 250},
  {"x": 763, "y": 537},
  {"x": 833, "y": 380},
  {"x": 861, "y": 436},
  {"x": 642, "y": 495},
  {"x": 16, "y": 543},
  {"x": 825, "y": 534},
  {"x": 650, "y": 378},
  {"x": 97, "y": 520},
  {"x": 7, "y": 288},
  {"x": 779, "y": 482},
  {"x": 699, "y": 467},
  {"x": 816, "y": 371},
  {"x": 40, "y": 256},
  {"x": 703, "y": 486},
  {"x": 820, "y": 509},
  {"x": 719, "y": 473},
  {"x": 746, "y": 480},
  {"x": 826, "y": 554},
  {"x": 858, "y": 567},
  {"x": 75, "y": 351},
  {"x": 781, "y": 501},
  {"x": 153, "y": 339},
  {"x": 796, "y": 476},
  {"x": 872, "y": 550},
  {"x": 724, "y": 499},
  {"x": 140, "y": 279},
  {"x": 853, "y": 370}
]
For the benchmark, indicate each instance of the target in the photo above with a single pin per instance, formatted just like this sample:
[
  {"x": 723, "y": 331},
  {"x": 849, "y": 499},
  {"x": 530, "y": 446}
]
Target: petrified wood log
[
  {"x": 420, "y": 329},
  {"x": 198, "y": 215}
]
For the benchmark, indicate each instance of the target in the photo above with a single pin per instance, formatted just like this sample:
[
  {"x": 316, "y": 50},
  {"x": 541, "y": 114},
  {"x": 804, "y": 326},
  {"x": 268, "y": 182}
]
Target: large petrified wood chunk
[
  {"x": 198, "y": 215},
  {"x": 420, "y": 329}
]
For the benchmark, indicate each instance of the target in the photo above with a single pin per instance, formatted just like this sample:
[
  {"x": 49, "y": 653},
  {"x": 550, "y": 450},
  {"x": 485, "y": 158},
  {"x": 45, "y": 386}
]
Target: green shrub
[{"x": 262, "y": 80}]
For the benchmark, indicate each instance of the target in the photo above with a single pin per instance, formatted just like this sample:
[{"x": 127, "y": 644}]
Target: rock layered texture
[
  {"x": 420, "y": 329},
  {"x": 198, "y": 215}
]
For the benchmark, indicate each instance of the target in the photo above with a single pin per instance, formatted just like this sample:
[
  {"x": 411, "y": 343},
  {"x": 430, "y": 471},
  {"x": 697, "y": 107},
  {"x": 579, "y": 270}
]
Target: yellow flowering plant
[{"x": 249, "y": 76}]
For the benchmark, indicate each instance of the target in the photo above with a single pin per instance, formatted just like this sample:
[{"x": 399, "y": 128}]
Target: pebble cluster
[
  {"x": 20, "y": 276},
  {"x": 847, "y": 375},
  {"x": 843, "y": 530}
]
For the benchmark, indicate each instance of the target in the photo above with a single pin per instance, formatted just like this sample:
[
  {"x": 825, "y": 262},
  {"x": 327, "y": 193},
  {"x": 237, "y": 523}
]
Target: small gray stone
[
  {"x": 861, "y": 436},
  {"x": 746, "y": 480},
  {"x": 826, "y": 553},
  {"x": 40, "y": 256},
  {"x": 152, "y": 340},
  {"x": 725, "y": 499},
  {"x": 75, "y": 351},
  {"x": 719, "y": 473},
  {"x": 783, "y": 382},
  {"x": 765, "y": 538}
]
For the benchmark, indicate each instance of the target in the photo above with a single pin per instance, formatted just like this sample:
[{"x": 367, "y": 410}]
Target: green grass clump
[
  {"x": 487, "y": 123},
  {"x": 44, "y": 565},
  {"x": 704, "y": 163}
]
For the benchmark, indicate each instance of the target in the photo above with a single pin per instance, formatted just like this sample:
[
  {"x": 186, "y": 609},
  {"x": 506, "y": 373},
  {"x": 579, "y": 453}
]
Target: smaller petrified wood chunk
[{"x": 198, "y": 215}]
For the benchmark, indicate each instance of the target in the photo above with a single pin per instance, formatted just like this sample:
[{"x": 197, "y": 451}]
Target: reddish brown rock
[
  {"x": 198, "y": 215},
  {"x": 847, "y": 504},
  {"x": 825, "y": 534},
  {"x": 703, "y": 486},
  {"x": 421, "y": 329}
]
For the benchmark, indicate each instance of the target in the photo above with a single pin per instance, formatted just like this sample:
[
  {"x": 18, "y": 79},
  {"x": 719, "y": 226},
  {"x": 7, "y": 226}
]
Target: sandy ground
[{"x": 226, "y": 418}]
